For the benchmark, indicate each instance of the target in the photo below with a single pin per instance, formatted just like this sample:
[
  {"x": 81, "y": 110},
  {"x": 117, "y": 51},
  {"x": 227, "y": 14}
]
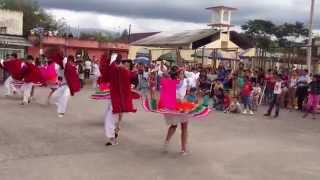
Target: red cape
[
  {"x": 73, "y": 81},
  {"x": 120, "y": 90},
  {"x": 104, "y": 68},
  {"x": 14, "y": 68},
  {"x": 120, "y": 86},
  {"x": 32, "y": 74}
]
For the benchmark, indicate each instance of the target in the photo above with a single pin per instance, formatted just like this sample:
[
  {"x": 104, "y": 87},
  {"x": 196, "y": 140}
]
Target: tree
[
  {"x": 289, "y": 35},
  {"x": 33, "y": 14},
  {"x": 267, "y": 35},
  {"x": 98, "y": 36},
  {"x": 124, "y": 33},
  {"x": 259, "y": 27},
  {"x": 260, "y": 32}
]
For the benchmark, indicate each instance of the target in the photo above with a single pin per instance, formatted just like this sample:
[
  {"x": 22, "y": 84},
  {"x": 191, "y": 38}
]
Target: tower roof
[{"x": 222, "y": 7}]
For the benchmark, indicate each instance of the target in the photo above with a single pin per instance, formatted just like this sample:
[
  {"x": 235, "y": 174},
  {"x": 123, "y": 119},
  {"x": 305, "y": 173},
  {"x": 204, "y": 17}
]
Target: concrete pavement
[{"x": 36, "y": 145}]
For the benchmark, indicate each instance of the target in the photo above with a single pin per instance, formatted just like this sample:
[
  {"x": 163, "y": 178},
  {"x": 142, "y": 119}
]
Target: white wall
[{"x": 13, "y": 20}]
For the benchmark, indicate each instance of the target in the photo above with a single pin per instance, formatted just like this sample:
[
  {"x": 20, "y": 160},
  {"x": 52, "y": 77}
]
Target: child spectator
[
  {"x": 206, "y": 100},
  {"x": 234, "y": 107},
  {"x": 245, "y": 95},
  {"x": 255, "y": 96},
  {"x": 191, "y": 96},
  {"x": 226, "y": 100},
  {"x": 218, "y": 97},
  {"x": 152, "y": 81}
]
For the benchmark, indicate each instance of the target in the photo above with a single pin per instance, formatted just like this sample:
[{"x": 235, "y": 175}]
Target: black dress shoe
[
  {"x": 109, "y": 144},
  {"x": 267, "y": 114}
]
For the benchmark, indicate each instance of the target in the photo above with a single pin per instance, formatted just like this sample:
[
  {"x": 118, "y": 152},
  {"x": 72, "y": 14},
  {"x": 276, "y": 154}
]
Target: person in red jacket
[
  {"x": 14, "y": 68},
  {"x": 30, "y": 75},
  {"x": 246, "y": 96},
  {"x": 119, "y": 78},
  {"x": 69, "y": 85}
]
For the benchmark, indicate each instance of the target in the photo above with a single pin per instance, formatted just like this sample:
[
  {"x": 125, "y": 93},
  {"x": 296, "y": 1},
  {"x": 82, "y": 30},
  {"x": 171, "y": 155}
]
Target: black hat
[{"x": 30, "y": 57}]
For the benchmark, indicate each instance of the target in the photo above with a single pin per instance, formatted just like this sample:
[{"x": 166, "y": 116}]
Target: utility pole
[
  {"x": 129, "y": 33},
  {"x": 309, "y": 52}
]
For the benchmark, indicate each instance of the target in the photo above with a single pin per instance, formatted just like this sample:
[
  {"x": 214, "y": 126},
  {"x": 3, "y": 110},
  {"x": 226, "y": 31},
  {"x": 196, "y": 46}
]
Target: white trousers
[
  {"x": 9, "y": 86},
  {"x": 95, "y": 82},
  {"x": 26, "y": 89},
  {"x": 110, "y": 121},
  {"x": 60, "y": 98}
]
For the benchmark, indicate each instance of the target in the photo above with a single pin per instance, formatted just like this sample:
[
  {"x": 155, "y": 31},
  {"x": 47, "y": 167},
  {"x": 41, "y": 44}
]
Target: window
[
  {"x": 226, "y": 16},
  {"x": 3, "y": 30}
]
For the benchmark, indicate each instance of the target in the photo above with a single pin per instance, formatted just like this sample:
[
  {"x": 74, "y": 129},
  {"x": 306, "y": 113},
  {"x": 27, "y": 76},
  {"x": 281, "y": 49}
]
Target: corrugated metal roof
[
  {"x": 136, "y": 37},
  {"x": 175, "y": 38},
  {"x": 14, "y": 41}
]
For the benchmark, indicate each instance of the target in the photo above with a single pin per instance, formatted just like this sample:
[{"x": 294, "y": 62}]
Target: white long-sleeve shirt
[{"x": 192, "y": 77}]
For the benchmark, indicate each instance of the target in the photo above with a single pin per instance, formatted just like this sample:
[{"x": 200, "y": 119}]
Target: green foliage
[
  {"x": 267, "y": 35},
  {"x": 259, "y": 27},
  {"x": 124, "y": 33},
  {"x": 33, "y": 14},
  {"x": 98, "y": 36}
]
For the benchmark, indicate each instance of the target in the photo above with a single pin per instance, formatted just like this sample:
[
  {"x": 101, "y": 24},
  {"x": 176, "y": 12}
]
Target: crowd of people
[{"x": 241, "y": 90}]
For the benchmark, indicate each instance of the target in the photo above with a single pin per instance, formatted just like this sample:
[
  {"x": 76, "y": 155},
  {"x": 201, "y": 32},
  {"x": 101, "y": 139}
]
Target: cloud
[
  {"x": 118, "y": 23},
  {"x": 188, "y": 10},
  {"x": 161, "y": 14}
]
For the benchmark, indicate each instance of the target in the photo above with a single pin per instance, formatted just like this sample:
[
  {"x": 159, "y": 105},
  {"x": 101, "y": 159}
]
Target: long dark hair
[{"x": 174, "y": 72}]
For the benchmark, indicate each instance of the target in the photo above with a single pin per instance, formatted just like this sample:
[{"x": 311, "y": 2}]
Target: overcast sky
[{"x": 157, "y": 15}]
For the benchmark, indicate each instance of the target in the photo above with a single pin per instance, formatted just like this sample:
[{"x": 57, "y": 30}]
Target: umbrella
[
  {"x": 170, "y": 56},
  {"x": 142, "y": 60}
]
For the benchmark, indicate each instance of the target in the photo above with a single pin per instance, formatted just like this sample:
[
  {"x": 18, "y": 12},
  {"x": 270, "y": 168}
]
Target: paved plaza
[{"x": 36, "y": 145}]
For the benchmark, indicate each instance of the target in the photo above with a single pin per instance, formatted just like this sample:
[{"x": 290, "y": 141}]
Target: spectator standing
[
  {"x": 87, "y": 65},
  {"x": 81, "y": 72},
  {"x": 96, "y": 73},
  {"x": 160, "y": 69},
  {"x": 292, "y": 87},
  {"x": 302, "y": 88},
  {"x": 192, "y": 77},
  {"x": 246, "y": 96},
  {"x": 143, "y": 76},
  {"x": 269, "y": 83},
  {"x": 313, "y": 97},
  {"x": 277, "y": 90}
]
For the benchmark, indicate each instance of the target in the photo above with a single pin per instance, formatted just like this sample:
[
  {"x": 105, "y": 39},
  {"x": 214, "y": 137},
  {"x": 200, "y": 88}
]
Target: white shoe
[
  {"x": 245, "y": 112},
  {"x": 251, "y": 113},
  {"x": 60, "y": 115},
  {"x": 184, "y": 153}
]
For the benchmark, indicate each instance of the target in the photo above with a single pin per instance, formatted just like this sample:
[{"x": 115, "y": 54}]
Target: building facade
[
  {"x": 11, "y": 35},
  {"x": 74, "y": 46},
  {"x": 11, "y": 31},
  {"x": 11, "y": 22}
]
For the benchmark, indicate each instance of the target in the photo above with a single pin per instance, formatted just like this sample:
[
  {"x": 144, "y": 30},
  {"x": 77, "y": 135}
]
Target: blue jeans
[
  {"x": 268, "y": 95},
  {"x": 246, "y": 100}
]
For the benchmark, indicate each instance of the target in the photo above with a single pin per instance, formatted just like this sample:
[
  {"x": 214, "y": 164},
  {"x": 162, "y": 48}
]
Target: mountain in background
[{"x": 100, "y": 35}]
